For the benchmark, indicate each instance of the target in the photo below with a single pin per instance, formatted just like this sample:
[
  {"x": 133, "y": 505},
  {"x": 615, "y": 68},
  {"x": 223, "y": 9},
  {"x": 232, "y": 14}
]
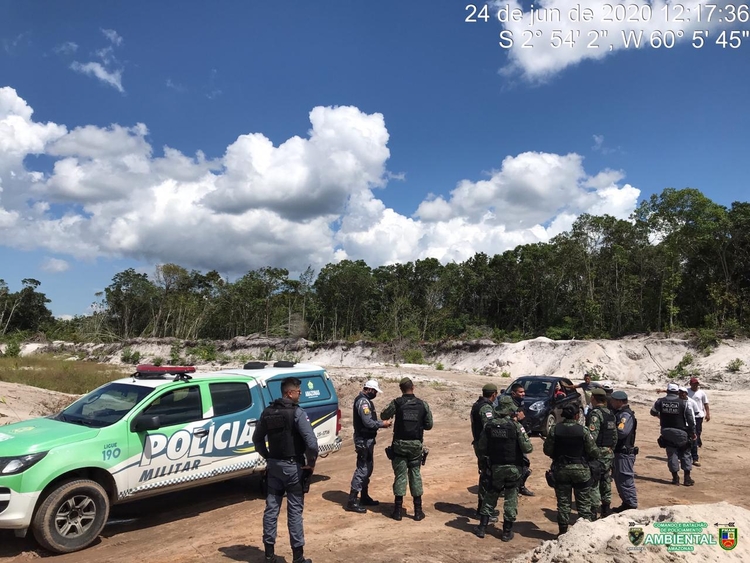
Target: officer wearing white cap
[{"x": 366, "y": 426}]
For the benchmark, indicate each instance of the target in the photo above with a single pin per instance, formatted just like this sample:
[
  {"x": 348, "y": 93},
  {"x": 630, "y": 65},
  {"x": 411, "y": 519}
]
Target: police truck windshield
[{"x": 105, "y": 405}]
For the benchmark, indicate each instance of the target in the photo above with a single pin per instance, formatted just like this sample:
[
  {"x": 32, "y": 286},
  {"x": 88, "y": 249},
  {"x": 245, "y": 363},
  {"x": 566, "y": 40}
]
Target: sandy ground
[{"x": 222, "y": 522}]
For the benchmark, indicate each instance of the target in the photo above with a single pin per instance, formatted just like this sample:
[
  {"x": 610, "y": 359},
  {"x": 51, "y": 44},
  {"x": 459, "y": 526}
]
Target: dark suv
[{"x": 544, "y": 401}]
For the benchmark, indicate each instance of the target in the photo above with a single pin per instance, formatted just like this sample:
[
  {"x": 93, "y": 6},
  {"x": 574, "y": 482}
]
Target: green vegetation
[
  {"x": 680, "y": 263},
  {"x": 439, "y": 366},
  {"x": 413, "y": 357},
  {"x": 681, "y": 370},
  {"x": 129, "y": 356},
  {"x": 505, "y": 374},
  {"x": 735, "y": 365},
  {"x": 205, "y": 351},
  {"x": 57, "y": 375}
]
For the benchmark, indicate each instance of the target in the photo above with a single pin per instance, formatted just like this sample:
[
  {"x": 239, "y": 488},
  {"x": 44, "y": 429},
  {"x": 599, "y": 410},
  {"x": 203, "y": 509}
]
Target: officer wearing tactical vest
[
  {"x": 412, "y": 418},
  {"x": 501, "y": 446},
  {"x": 517, "y": 393},
  {"x": 677, "y": 429},
  {"x": 366, "y": 426},
  {"x": 292, "y": 450},
  {"x": 571, "y": 446},
  {"x": 482, "y": 412},
  {"x": 623, "y": 466},
  {"x": 601, "y": 424}
]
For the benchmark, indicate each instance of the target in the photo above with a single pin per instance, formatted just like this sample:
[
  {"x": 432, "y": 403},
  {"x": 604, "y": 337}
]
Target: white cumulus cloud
[
  {"x": 55, "y": 265},
  {"x": 309, "y": 200},
  {"x": 562, "y": 33}
]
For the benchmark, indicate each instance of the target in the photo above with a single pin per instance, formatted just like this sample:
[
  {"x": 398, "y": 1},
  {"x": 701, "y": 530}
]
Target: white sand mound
[{"x": 607, "y": 540}]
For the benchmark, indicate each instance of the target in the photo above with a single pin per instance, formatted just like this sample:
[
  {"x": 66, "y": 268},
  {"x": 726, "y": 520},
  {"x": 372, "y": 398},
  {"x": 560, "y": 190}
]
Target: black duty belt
[{"x": 289, "y": 459}]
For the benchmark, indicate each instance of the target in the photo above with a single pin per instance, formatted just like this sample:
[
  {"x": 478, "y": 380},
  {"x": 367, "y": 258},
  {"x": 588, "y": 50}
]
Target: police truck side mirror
[{"x": 144, "y": 423}]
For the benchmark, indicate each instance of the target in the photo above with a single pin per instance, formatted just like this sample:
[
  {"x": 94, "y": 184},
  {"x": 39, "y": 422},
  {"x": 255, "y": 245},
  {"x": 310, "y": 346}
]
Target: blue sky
[{"x": 305, "y": 133}]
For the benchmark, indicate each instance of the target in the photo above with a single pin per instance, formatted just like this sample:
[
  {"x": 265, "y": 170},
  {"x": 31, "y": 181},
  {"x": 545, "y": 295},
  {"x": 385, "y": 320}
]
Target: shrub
[
  {"x": 681, "y": 370},
  {"x": 126, "y": 357},
  {"x": 206, "y": 351},
  {"x": 706, "y": 340},
  {"x": 158, "y": 361},
  {"x": 12, "y": 350},
  {"x": 735, "y": 365},
  {"x": 413, "y": 357},
  {"x": 439, "y": 366},
  {"x": 175, "y": 355},
  {"x": 505, "y": 374}
]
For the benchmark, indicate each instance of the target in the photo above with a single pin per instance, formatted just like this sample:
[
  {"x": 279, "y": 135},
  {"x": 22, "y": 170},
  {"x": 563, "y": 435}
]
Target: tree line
[{"x": 681, "y": 261}]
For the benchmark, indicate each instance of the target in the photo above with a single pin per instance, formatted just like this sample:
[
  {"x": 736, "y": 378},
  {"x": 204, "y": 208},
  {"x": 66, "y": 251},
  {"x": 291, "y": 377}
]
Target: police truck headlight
[
  {"x": 537, "y": 407},
  {"x": 13, "y": 465}
]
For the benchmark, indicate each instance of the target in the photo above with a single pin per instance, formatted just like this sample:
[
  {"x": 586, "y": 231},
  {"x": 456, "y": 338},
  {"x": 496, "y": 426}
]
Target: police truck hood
[{"x": 39, "y": 435}]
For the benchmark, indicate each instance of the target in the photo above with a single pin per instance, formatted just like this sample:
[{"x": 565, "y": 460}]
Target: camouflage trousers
[
  {"x": 601, "y": 489},
  {"x": 407, "y": 471},
  {"x": 505, "y": 479},
  {"x": 568, "y": 479}
]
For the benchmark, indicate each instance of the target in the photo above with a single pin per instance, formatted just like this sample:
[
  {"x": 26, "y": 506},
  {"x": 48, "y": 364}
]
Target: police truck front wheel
[{"x": 71, "y": 516}]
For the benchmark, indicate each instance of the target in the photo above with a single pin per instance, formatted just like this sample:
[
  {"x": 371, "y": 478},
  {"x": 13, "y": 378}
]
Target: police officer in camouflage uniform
[
  {"x": 571, "y": 446},
  {"x": 292, "y": 449},
  {"x": 366, "y": 426},
  {"x": 502, "y": 444},
  {"x": 601, "y": 424},
  {"x": 412, "y": 418},
  {"x": 482, "y": 412},
  {"x": 517, "y": 393}
]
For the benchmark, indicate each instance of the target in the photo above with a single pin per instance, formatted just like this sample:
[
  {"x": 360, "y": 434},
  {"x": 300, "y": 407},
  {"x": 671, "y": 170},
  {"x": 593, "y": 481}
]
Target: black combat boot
[
  {"x": 418, "y": 514},
  {"x": 483, "y": 522},
  {"x": 606, "y": 510},
  {"x": 367, "y": 500},
  {"x": 353, "y": 504},
  {"x": 675, "y": 478},
  {"x": 298, "y": 555},
  {"x": 398, "y": 509},
  {"x": 688, "y": 482},
  {"x": 562, "y": 529},
  {"x": 507, "y": 531},
  {"x": 270, "y": 556}
]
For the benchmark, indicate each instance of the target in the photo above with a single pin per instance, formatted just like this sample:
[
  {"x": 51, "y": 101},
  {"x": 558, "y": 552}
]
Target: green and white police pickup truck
[{"x": 162, "y": 429}]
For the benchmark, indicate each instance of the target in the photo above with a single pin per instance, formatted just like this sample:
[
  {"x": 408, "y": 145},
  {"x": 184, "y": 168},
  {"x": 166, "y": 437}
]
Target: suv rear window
[
  {"x": 313, "y": 389},
  {"x": 230, "y": 397}
]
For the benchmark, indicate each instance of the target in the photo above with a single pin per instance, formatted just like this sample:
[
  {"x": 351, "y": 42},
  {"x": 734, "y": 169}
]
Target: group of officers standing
[{"x": 584, "y": 456}]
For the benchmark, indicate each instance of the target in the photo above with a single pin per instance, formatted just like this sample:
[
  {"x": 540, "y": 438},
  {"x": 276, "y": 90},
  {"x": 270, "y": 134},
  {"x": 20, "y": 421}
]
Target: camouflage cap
[
  {"x": 506, "y": 406},
  {"x": 405, "y": 381},
  {"x": 489, "y": 388},
  {"x": 599, "y": 392}
]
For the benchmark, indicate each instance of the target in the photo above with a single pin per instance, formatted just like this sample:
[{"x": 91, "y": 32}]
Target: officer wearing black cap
[
  {"x": 677, "y": 422},
  {"x": 623, "y": 467},
  {"x": 482, "y": 411}
]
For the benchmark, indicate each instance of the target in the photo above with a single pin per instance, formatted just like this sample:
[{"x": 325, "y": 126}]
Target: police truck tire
[{"x": 71, "y": 516}]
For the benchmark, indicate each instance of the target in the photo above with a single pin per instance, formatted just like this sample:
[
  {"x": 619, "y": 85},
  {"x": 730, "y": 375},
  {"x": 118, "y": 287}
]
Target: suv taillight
[{"x": 338, "y": 421}]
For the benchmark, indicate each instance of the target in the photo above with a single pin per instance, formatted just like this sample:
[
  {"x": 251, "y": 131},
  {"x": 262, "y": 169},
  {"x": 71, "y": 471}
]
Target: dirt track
[{"x": 222, "y": 522}]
